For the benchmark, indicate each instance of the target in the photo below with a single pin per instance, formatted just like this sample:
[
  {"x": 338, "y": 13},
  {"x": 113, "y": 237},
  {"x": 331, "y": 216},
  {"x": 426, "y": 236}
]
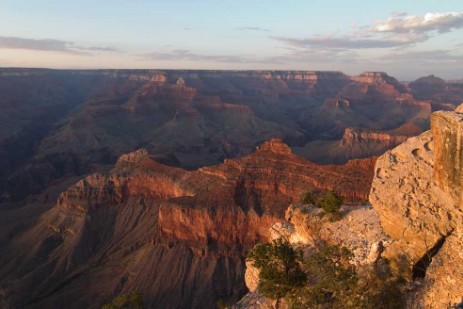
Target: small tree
[
  {"x": 279, "y": 265},
  {"x": 308, "y": 197},
  {"x": 334, "y": 283},
  {"x": 330, "y": 202},
  {"x": 332, "y": 280}
]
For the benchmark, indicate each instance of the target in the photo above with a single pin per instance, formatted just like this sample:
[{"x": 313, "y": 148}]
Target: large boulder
[{"x": 416, "y": 192}]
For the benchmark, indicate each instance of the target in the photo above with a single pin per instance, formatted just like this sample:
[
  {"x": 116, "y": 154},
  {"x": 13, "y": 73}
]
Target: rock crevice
[{"x": 416, "y": 191}]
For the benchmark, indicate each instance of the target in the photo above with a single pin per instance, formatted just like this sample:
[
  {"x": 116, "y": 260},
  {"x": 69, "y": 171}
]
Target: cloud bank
[
  {"x": 400, "y": 30},
  {"x": 440, "y": 22},
  {"x": 50, "y": 45}
]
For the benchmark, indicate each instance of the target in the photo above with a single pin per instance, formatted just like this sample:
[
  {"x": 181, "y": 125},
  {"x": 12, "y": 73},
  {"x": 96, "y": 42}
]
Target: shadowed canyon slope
[
  {"x": 64, "y": 123},
  {"x": 179, "y": 237}
]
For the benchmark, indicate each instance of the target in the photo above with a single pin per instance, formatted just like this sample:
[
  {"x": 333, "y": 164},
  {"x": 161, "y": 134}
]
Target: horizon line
[{"x": 210, "y": 70}]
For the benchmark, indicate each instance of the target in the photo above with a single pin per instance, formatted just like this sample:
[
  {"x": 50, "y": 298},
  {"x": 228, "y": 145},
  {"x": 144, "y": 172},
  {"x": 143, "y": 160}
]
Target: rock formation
[
  {"x": 441, "y": 94},
  {"x": 305, "y": 227},
  {"x": 357, "y": 143},
  {"x": 70, "y": 123},
  {"x": 359, "y": 230},
  {"x": 177, "y": 236},
  {"x": 417, "y": 194}
]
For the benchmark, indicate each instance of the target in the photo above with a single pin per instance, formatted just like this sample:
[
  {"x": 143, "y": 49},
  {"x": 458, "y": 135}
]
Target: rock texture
[
  {"x": 359, "y": 230},
  {"x": 177, "y": 236},
  {"x": 254, "y": 300},
  {"x": 251, "y": 277},
  {"x": 447, "y": 132},
  {"x": 417, "y": 193}
]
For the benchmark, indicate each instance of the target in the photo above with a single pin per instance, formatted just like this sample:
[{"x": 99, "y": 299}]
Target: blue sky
[{"x": 405, "y": 38}]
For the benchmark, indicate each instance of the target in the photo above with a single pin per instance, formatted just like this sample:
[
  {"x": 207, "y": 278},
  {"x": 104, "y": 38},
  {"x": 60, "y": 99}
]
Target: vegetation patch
[
  {"x": 126, "y": 301},
  {"x": 324, "y": 279}
]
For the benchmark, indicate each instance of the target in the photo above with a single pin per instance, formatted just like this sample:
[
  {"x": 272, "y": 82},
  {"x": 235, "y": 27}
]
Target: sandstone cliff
[
  {"x": 177, "y": 236},
  {"x": 417, "y": 193}
]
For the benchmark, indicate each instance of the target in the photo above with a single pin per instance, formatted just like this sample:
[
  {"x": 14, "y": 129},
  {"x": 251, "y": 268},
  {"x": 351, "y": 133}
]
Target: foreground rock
[
  {"x": 417, "y": 194},
  {"x": 306, "y": 227},
  {"x": 358, "y": 230}
]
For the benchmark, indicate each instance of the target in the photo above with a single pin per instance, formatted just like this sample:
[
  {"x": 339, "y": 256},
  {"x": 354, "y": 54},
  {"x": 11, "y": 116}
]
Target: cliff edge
[{"x": 416, "y": 191}]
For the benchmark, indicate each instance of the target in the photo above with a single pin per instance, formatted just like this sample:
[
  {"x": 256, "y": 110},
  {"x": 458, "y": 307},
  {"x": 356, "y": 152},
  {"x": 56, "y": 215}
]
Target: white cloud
[
  {"x": 440, "y": 22},
  {"x": 399, "y": 31}
]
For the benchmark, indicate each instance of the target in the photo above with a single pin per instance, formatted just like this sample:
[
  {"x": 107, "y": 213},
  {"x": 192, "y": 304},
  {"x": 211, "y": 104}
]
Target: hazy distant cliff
[{"x": 70, "y": 122}]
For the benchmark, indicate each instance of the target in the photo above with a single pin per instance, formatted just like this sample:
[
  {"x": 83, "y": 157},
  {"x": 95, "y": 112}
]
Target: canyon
[
  {"x": 59, "y": 123},
  {"x": 114, "y": 181},
  {"x": 177, "y": 236}
]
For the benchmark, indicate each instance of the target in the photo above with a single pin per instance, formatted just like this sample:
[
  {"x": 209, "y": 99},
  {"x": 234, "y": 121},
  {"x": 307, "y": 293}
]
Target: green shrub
[
  {"x": 332, "y": 280},
  {"x": 330, "y": 202},
  {"x": 125, "y": 301},
  {"x": 334, "y": 283},
  {"x": 308, "y": 197},
  {"x": 280, "y": 269}
]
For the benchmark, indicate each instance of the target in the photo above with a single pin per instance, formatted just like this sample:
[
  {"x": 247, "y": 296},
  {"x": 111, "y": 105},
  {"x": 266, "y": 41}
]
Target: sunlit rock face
[
  {"x": 417, "y": 192},
  {"x": 146, "y": 226},
  {"x": 447, "y": 131}
]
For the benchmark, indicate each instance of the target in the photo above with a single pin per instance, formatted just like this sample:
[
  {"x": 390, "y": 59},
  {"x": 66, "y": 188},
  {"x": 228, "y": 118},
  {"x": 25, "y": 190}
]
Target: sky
[{"x": 405, "y": 38}]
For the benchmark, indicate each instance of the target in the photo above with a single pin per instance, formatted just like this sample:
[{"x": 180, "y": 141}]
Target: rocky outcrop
[
  {"x": 416, "y": 191},
  {"x": 388, "y": 84},
  {"x": 360, "y": 143},
  {"x": 306, "y": 227},
  {"x": 358, "y": 138},
  {"x": 251, "y": 277},
  {"x": 213, "y": 232},
  {"x": 359, "y": 230}
]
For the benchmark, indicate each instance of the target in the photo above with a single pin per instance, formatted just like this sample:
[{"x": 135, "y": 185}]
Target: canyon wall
[
  {"x": 69, "y": 123},
  {"x": 179, "y": 237}
]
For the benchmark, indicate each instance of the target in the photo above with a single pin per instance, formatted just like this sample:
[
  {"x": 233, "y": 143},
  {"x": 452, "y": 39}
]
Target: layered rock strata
[{"x": 179, "y": 237}]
